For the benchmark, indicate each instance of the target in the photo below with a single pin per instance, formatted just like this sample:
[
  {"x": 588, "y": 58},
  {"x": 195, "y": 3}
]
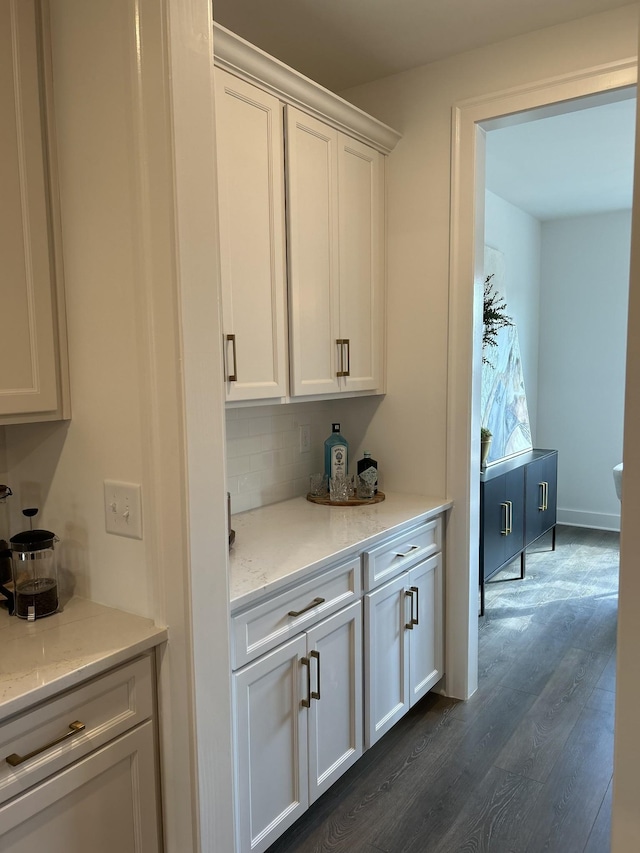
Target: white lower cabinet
[
  {"x": 79, "y": 772},
  {"x": 104, "y": 803},
  {"x": 313, "y": 678},
  {"x": 298, "y": 725},
  {"x": 403, "y": 644}
]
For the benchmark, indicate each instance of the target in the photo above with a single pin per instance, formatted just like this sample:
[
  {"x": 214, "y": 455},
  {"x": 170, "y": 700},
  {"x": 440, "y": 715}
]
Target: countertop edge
[
  {"x": 77, "y": 671},
  {"x": 242, "y": 602}
]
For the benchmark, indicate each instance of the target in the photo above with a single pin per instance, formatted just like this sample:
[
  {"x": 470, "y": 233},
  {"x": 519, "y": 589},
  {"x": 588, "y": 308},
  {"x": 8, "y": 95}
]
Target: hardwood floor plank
[
  {"x": 602, "y": 700},
  {"x": 428, "y": 805},
  {"x": 491, "y": 818},
  {"x": 531, "y": 672},
  {"x": 600, "y": 837},
  {"x": 607, "y": 680},
  {"x": 540, "y": 736},
  {"x": 568, "y": 803}
]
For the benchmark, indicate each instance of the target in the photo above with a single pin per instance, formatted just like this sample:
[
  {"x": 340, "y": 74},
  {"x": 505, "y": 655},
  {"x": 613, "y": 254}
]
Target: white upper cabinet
[
  {"x": 33, "y": 353},
  {"x": 333, "y": 167},
  {"x": 252, "y": 240},
  {"x": 335, "y": 206},
  {"x": 314, "y": 263},
  {"x": 361, "y": 250}
]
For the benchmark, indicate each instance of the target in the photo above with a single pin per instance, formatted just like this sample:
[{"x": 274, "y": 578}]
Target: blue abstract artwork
[{"x": 503, "y": 398}]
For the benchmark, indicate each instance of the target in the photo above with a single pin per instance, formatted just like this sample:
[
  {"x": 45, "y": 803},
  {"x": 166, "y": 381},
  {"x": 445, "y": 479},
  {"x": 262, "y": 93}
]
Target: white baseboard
[{"x": 596, "y": 520}]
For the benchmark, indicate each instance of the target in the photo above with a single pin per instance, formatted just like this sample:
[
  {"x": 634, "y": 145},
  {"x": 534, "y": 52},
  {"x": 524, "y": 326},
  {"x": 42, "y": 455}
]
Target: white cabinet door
[
  {"x": 272, "y": 789},
  {"x": 334, "y": 651},
  {"x": 104, "y": 803},
  {"x": 335, "y": 209},
  {"x": 361, "y": 240},
  {"x": 28, "y": 366},
  {"x": 425, "y": 640},
  {"x": 250, "y": 154},
  {"x": 312, "y": 217},
  {"x": 387, "y": 616},
  {"x": 404, "y": 644}
]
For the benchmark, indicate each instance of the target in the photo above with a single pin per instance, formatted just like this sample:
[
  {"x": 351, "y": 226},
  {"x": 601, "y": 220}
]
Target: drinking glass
[
  {"x": 339, "y": 489},
  {"x": 364, "y": 489},
  {"x": 318, "y": 485}
]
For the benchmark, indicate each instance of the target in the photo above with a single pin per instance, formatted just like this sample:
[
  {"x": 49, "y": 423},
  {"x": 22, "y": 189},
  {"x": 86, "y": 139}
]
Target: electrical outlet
[
  {"x": 123, "y": 509},
  {"x": 305, "y": 438}
]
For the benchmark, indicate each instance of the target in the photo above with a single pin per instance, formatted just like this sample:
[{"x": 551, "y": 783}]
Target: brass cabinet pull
[
  {"x": 232, "y": 377},
  {"x": 314, "y": 603},
  {"x": 315, "y": 694},
  {"x": 505, "y": 507},
  {"x": 74, "y": 728},
  {"x": 544, "y": 496},
  {"x": 306, "y": 703},
  {"x": 409, "y": 593},
  {"x": 344, "y": 343},
  {"x": 417, "y": 592},
  {"x": 406, "y": 553}
]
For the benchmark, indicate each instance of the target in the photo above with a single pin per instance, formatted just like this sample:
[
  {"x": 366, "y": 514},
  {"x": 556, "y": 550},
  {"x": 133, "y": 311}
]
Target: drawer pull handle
[
  {"x": 232, "y": 377},
  {"x": 417, "y": 592},
  {"x": 505, "y": 506},
  {"x": 406, "y": 553},
  {"x": 314, "y": 603},
  {"x": 409, "y": 593},
  {"x": 344, "y": 343},
  {"x": 544, "y": 503},
  {"x": 306, "y": 703},
  {"x": 315, "y": 694},
  {"x": 14, "y": 759}
]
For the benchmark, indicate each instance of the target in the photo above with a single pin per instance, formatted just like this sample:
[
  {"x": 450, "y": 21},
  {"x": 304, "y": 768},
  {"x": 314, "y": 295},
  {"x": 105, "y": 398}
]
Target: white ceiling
[
  {"x": 571, "y": 164},
  {"x": 342, "y": 43},
  {"x": 568, "y": 165}
]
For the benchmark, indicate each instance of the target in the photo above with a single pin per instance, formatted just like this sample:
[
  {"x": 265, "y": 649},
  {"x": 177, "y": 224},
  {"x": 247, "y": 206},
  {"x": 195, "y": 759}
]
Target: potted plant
[
  {"x": 485, "y": 443},
  {"x": 494, "y": 318}
]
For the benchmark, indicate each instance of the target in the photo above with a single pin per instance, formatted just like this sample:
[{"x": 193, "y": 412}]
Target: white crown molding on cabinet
[{"x": 247, "y": 61}]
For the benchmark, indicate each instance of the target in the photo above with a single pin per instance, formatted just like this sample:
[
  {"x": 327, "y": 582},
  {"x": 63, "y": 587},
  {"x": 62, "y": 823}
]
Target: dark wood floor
[{"x": 525, "y": 765}]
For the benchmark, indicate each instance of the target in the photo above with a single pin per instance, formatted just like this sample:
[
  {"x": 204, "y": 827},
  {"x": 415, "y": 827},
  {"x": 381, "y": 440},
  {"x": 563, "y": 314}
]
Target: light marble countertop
[
  {"x": 45, "y": 657},
  {"x": 279, "y": 544}
]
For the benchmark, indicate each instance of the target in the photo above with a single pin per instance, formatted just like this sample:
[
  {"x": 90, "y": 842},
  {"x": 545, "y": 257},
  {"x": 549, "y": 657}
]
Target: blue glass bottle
[{"x": 336, "y": 454}]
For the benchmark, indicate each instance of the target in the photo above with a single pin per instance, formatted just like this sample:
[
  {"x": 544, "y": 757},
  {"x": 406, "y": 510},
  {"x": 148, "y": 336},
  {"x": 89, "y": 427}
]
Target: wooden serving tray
[{"x": 325, "y": 500}]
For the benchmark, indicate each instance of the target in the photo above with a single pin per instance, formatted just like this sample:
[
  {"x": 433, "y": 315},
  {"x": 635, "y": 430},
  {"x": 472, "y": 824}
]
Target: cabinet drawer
[
  {"x": 397, "y": 554},
  {"x": 268, "y": 624},
  {"x": 107, "y": 706}
]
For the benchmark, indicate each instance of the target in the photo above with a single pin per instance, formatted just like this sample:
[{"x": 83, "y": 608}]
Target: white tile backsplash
[{"x": 264, "y": 462}]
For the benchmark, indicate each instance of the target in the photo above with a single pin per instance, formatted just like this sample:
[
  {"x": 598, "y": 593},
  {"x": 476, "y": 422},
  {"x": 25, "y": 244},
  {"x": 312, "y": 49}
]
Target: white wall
[
  {"x": 264, "y": 460},
  {"x": 518, "y": 236},
  {"x": 583, "y": 330},
  {"x": 60, "y": 467},
  {"x": 421, "y": 381},
  {"x": 418, "y": 103}
]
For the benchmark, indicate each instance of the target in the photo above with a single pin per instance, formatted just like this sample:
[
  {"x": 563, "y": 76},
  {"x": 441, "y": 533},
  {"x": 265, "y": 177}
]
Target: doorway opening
[{"x": 470, "y": 118}]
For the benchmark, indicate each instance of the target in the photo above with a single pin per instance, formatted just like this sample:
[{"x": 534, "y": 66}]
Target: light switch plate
[{"x": 123, "y": 508}]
